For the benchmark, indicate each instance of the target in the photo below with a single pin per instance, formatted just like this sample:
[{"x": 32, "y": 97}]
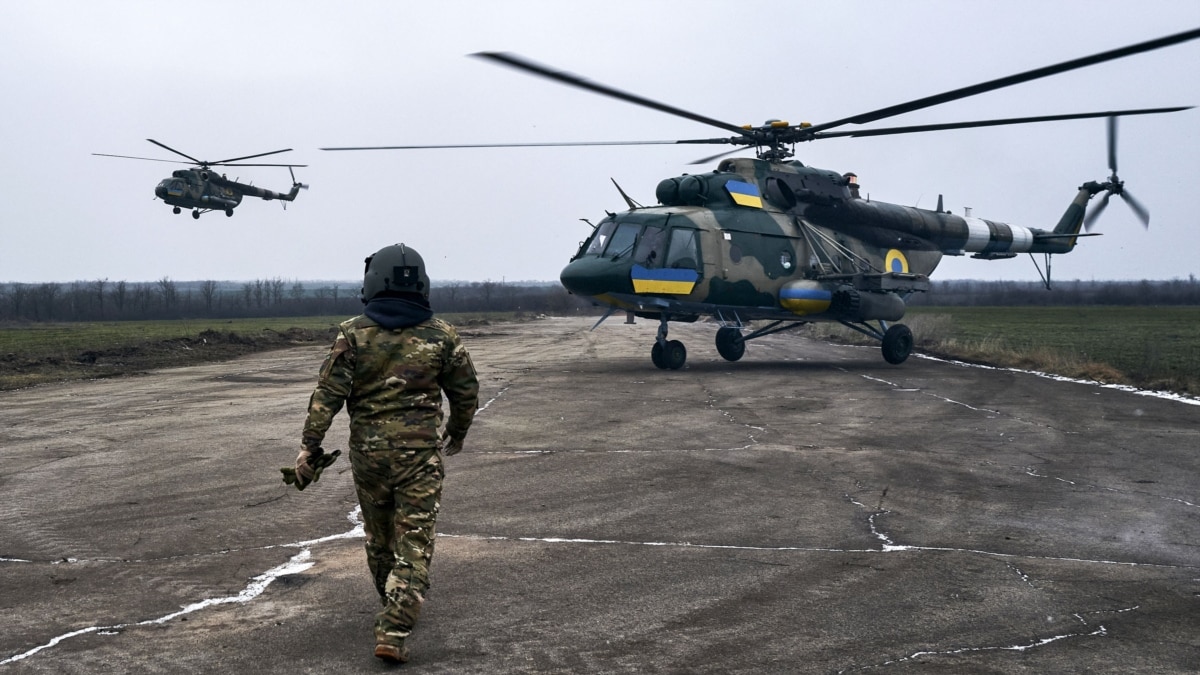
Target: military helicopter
[
  {"x": 772, "y": 240},
  {"x": 202, "y": 190}
]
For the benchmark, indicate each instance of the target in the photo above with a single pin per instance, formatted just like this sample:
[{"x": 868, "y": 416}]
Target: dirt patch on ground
[{"x": 17, "y": 371}]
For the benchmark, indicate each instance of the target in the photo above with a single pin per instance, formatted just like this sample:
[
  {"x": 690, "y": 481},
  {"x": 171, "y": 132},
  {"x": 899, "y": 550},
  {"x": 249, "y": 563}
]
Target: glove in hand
[{"x": 308, "y": 468}]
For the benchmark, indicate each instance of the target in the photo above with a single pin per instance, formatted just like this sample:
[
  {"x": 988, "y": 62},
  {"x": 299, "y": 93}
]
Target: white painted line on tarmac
[
  {"x": 296, "y": 564},
  {"x": 1170, "y": 396}
]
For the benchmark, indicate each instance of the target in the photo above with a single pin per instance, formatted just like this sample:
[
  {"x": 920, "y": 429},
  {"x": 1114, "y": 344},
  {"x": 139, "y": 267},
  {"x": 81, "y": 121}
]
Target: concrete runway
[{"x": 807, "y": 509}]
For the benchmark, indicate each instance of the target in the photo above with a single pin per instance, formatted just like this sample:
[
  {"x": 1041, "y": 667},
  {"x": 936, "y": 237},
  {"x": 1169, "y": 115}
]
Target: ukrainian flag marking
[
  {"x": 744, "y": 194},
  {"x": 666, "y": 281},
  {"x": 805, "y": 300},
  {"x": 896, "y": 262}
]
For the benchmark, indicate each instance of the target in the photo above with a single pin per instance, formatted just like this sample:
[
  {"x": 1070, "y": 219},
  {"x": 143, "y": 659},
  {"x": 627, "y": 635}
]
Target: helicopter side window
[
  {"x": 622, "y": 241},
  {"x": 682, "y": 252},
  {"x": 650, "y": 246},
  {"x": 600, "y": 238}
]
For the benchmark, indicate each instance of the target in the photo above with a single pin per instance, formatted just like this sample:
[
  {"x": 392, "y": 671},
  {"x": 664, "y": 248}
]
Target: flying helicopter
[
  {"x": 202, "y": 189},
  {"x": 769, "y": 239}
]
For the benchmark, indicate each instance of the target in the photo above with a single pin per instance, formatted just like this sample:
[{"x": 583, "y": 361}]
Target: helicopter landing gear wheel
[
  {"x": 196, "y": 214},
  {"x": 176, "y": 210},
  {"x": 730, "y": 344},
  {"x": 670, "y": 357},
  {"x": 897, "y": 344},
  {"x": 228, "y": 213},
  {"x": 675, "y": 355}
]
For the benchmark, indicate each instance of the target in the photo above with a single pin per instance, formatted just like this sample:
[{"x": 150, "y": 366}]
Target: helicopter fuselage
[
  {"x": 198, "y": 189},
  {"x": 768, "y": 240},
  {"x": 204, "y": 189}
]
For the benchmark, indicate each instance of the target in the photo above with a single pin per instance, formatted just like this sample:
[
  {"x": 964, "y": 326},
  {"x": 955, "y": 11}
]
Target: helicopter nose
[{"x": 596, "y": 276}]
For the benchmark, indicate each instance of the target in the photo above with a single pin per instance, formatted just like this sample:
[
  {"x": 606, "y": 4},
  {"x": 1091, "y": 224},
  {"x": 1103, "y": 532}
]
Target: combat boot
[{"x": 391, "y": 653}]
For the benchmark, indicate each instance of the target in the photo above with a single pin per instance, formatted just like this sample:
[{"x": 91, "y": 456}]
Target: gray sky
[{"x": 221, "y": 79}]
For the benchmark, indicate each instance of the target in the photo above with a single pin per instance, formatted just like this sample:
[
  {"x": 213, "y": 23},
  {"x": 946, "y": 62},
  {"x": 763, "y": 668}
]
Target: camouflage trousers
[{"x": 398, "y": 490}]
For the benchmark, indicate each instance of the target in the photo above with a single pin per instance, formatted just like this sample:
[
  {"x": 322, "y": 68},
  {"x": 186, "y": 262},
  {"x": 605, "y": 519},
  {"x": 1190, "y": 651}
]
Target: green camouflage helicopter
[
  {"x": 768, "y": 239},
  {"x": 202, "y": 190}
]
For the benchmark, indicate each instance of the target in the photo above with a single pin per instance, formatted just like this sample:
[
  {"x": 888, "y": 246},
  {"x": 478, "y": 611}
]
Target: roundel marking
[{"x": 896, "y": 262}]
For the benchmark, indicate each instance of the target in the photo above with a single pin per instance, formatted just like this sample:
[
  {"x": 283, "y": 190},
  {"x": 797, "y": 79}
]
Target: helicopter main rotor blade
[
  {"x": 529, "y": 145},
  {"x": 719, "y": 155},
  {"x": 148, "y": 159},
  {"x": 520, "y": 63},
  {"x": 167, "y": 147},
  {"x": 1112, "y": 114},
  {"x": 1002, "y": 82},
  {"x": 226, "y": 162}
]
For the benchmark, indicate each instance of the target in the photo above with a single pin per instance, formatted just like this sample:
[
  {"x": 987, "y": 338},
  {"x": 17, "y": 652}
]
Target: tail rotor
[
  {"x": 297, "y": 186},
  {"x": 1114, "y": 185}
]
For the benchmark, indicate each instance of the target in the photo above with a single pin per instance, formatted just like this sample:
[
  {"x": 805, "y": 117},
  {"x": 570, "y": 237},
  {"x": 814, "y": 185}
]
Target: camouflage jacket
[{"x": 391, "y": 382}]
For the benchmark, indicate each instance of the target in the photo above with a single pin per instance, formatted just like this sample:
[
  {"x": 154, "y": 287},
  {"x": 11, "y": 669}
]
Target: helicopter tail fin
[
  {"x": 1063, "y": 237},
  {"x": 1072, "y": 219},
  {"x": 296, "y": 187}
]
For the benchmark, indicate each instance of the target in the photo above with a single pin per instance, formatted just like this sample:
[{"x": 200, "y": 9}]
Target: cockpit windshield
[
  {"x": 600, "y": 238},
  {"x": 621, "y": 244},
  {"x": 621, "y": 240}
]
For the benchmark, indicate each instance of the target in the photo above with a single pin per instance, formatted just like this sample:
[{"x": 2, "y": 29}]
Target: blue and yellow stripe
[
  {"x": 805, "y": 297},
  {"x": 666, "y": 281},
  {"x": 744, "y": 194}
]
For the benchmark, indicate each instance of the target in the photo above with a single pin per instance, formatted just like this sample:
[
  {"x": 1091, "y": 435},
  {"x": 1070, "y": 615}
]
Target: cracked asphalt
[{"x": 807, "y": 509}]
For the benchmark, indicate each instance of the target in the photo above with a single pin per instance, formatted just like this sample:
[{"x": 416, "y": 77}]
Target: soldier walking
[{"x": 389, "y": 367}]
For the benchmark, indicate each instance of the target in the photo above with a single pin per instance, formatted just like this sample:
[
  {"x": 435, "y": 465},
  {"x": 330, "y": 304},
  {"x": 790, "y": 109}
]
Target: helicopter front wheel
[
  {"x": 228, "y": 213},
  {"x": 897, "y": 344},
  {"x": 670, "y": 357},
  {"x": 196, "y": 214},
  {"x": 176, "y": 210}
]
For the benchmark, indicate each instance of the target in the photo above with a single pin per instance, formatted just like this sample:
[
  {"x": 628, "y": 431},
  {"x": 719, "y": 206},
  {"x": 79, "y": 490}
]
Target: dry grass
[{"x": 1150, "y": 348}]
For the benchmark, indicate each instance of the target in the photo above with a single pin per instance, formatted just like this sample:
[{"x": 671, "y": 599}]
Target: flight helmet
[{"x": 395, "y": 269}]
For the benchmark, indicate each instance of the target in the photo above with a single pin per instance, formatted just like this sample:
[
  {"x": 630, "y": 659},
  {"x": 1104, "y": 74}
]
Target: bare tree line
[
  {"x": 104, "y": 300},
  {"x": 1063, "y": 293}
]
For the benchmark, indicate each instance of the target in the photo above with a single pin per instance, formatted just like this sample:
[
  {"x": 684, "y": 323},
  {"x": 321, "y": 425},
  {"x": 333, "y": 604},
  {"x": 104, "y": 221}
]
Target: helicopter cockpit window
[
  {"x": 682, "y": 252},
  {"x": 650, "y": 246},
  {"x": 621, "y": 243},
  {"x": 600, "y": 238}
]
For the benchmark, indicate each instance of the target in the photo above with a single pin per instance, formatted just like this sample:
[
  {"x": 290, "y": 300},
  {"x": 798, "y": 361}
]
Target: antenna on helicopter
[{"x": 628, "y": 200}]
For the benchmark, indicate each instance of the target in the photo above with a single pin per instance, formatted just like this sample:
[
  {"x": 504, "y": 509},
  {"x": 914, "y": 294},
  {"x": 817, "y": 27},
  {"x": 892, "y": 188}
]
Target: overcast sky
[{"x": 220, "y": 79}]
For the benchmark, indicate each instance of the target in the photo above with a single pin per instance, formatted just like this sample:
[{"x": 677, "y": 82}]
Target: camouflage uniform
[{"x": 390, "y": 373}]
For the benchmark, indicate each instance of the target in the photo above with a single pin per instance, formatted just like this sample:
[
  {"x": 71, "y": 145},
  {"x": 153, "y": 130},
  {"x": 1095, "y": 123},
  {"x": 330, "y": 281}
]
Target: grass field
[
  {"x": 66, "y": 340},
  {"x": 1151, "y": 347},
  {"x": 32, "y": 353}
]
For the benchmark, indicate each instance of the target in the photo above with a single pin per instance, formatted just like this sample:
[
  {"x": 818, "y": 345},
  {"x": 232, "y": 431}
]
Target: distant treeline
[
  {"x": 1065, "y": 293},
  {"x": 104, "y": 300}
]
